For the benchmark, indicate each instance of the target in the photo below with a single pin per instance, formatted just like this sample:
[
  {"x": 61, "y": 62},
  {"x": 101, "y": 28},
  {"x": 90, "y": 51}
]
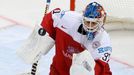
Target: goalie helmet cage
[{"x": 119, "y": 12}]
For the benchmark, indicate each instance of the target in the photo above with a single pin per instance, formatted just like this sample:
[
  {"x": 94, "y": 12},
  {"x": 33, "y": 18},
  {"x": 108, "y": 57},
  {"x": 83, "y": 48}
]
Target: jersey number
[{"x": 106, "y": 57}]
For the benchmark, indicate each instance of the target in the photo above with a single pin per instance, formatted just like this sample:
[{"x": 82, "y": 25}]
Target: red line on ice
[
  {"x": 14, "y": 22},
  {"x": 122, "y": 62}
]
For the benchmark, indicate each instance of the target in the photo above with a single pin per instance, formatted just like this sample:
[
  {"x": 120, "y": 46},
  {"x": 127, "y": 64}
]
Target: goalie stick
[{"x": 35, "y": 65}]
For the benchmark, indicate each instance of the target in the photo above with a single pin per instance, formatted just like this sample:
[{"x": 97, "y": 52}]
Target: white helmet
[{"x": 94, "y": 17}]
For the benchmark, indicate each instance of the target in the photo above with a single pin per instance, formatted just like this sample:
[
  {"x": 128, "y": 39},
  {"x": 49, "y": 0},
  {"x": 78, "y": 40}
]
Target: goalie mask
[{"x": 93, "y": 18}]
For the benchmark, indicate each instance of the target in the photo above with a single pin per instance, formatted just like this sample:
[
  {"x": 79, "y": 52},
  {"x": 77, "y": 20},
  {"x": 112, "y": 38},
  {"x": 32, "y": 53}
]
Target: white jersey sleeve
[{"x": 104, "y": 50}]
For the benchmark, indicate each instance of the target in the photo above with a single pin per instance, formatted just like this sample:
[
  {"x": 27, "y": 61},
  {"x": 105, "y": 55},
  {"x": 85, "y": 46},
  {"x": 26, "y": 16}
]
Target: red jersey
[{"x": 65, "y": 27}]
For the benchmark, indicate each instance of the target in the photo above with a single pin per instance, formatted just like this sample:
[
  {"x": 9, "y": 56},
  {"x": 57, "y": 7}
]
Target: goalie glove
[
  {"x": 82, "y": 64},
  {"x": 37, "y": 44}
]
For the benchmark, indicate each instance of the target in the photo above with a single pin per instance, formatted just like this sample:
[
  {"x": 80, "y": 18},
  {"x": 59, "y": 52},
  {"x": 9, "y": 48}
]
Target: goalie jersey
[{"x": 65, "y": 28}]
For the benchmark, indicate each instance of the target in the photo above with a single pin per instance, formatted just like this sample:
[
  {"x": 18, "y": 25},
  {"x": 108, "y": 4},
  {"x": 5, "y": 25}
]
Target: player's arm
[
  {"x": 103, "y": 56},
  {"x": 101, "y": 64}
]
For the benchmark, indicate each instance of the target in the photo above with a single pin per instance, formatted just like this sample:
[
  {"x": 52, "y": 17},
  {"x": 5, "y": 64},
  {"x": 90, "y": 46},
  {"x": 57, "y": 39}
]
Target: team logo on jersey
[
  {"x": 69, "y": 52},
  {"x": 71, "y": 49},
  {"x": 105, "y": 49},
  {"x": 96, "y": 44}
]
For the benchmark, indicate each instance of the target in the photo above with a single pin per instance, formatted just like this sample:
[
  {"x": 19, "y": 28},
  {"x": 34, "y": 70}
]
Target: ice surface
[{"x": 10, "y": 64}]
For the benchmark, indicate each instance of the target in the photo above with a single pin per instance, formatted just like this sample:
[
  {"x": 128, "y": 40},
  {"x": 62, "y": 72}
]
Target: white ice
[{"x": 10, "y": 64}]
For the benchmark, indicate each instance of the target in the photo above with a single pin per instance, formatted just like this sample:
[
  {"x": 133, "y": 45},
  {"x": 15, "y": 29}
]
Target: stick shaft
[{"x": 35, "y": 65}]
